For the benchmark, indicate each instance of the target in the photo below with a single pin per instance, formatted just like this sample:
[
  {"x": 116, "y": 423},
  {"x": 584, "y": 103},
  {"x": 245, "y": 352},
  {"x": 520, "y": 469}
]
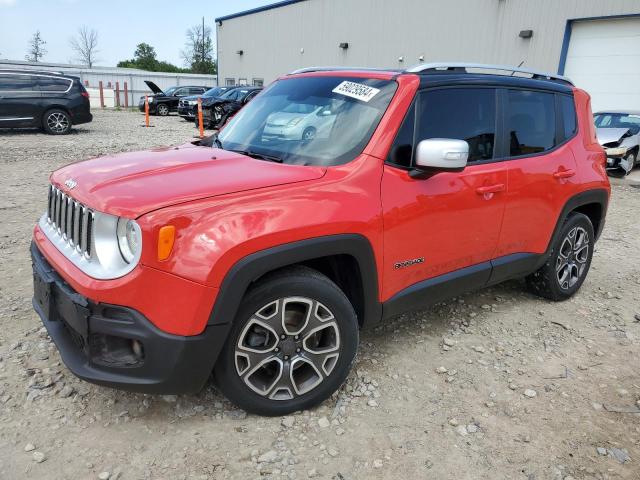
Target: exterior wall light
[
  {"x": 421, "y": 58},
  {"x": 344, "y": 45},
  {"x": 525, "y": 33},
  {"x": 401, "y": 59},
  {"x": 240, "y": 52}
]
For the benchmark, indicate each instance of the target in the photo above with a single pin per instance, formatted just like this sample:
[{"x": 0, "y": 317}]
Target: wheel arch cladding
[
  {"x": 348, "y": 260},
  {"x": 592, "y": 203}
]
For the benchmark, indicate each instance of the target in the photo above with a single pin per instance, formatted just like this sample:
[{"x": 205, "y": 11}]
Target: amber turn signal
[{"x": 166, "y": 236}]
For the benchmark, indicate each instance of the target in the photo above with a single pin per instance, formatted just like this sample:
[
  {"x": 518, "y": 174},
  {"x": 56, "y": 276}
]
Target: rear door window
[
  {"x": 530, "y": 122},
  {"x": 460, "y": 113}
]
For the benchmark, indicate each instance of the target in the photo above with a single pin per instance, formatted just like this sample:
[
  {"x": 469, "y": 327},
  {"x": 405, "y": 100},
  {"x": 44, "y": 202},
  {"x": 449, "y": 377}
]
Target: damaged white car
[{"x": 619, "y": 134}]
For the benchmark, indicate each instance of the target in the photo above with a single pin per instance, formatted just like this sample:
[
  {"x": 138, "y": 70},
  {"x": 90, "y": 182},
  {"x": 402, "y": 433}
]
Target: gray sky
[{"x": 121, "y": 25}]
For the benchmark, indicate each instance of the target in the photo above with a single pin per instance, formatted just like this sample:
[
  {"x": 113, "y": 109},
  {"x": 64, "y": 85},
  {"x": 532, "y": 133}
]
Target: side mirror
[{"x": 441, "y": 154}]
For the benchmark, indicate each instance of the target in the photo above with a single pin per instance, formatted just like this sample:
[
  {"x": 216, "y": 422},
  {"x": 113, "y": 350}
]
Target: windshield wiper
[{"x": 259, "y": 156}]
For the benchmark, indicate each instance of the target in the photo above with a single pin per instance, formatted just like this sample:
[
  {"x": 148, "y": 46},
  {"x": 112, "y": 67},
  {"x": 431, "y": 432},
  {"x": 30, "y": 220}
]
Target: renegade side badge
[{"x": 408, "y": 263}]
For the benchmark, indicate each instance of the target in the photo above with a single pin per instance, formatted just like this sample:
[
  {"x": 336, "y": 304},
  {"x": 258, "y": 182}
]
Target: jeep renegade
[{"x": 256, "y": 255}]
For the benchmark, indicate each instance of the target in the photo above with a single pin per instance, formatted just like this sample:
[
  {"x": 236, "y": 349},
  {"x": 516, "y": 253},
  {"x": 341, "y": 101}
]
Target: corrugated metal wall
[
  {"x": 379, "y": 32},
  {"x": 109, "y": 76}
]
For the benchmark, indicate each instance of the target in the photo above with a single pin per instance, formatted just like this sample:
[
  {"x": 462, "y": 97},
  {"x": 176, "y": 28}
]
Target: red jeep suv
[{"x": 256, "y": 255}]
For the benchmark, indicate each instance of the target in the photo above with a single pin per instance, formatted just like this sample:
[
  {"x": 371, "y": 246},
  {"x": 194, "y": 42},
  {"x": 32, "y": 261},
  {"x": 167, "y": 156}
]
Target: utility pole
[{"x": 203, "y": 41}]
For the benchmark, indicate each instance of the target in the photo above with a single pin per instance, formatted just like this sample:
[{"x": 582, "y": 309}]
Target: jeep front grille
[{"x": 72, "y": 221}]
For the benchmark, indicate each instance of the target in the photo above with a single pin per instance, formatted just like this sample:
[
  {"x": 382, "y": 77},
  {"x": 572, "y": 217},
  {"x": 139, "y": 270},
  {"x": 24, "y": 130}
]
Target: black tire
[
  {"x": 233, "y": 372},
  {"x": 162, "y": 109},
  {"x": 550, "y": 280},
  {"x": 56, "y": 122}
]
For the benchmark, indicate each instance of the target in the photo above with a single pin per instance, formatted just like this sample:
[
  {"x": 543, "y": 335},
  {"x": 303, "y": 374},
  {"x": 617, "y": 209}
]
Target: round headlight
[{"x": 129, "y": 239}]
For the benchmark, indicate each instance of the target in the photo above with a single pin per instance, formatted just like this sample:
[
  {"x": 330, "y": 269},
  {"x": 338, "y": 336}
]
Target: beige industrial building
[{"x": 594, "y": 42}]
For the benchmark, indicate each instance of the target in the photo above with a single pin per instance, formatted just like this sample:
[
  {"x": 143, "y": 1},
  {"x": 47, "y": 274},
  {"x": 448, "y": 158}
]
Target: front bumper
[
  {"x": 186, "y": 111},
  {"x": 98, "y": 341}
]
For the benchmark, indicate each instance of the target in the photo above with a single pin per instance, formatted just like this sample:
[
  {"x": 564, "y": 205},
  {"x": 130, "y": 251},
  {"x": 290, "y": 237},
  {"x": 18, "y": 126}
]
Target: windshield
[
  {"x": 170, "y": 90},
  {"x": 310, "y": 120},
  {"x": 229, "y": 93},
  {"x": 214, "y": 92},
  {"x": 618, "y": 120}
]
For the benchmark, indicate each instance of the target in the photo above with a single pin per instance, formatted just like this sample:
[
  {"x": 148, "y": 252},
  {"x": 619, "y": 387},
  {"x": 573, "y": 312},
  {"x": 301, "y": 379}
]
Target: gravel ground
[{"x": 495, "y": 384}]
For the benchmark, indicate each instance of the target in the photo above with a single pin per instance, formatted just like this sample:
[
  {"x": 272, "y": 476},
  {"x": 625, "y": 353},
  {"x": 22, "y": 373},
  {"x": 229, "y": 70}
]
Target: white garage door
[{"x": 604, "y": 59}]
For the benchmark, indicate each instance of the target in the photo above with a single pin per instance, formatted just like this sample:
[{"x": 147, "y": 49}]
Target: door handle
[
  {"x": 498, "y": 187},
  {"x": 560, "y": 174}
]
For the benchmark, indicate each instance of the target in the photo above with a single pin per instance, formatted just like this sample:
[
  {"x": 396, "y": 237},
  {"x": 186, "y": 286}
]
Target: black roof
[{"x": 437, "y": 79}]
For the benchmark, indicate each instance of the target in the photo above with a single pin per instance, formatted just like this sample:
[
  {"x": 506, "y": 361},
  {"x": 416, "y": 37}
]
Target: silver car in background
[{"x": 619, "y": 134}]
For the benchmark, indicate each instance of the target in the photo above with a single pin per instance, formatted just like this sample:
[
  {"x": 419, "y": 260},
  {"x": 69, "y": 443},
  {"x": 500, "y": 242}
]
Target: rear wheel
[
  {"x": 567, "y": 266},
  {"x": 56, "y": 122},
  {"x": 291, "y": 346},
  {"x": 162, "y": 110}
]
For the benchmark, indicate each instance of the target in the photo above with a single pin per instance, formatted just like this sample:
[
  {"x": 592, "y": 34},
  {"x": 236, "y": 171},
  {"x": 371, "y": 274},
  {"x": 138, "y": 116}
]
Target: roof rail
[
  {"x": 33, "y": 70},
  {"x": 338, "y": 69},
  {"x": 462, "y": 67}
]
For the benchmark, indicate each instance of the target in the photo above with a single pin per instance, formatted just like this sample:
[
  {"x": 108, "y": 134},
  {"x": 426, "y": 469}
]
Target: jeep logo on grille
[{"x": 70, "y": 183}]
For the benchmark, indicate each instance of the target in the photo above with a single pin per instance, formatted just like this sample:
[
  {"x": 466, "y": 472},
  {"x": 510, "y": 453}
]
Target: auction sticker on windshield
[{"x": 356, "y": 90}]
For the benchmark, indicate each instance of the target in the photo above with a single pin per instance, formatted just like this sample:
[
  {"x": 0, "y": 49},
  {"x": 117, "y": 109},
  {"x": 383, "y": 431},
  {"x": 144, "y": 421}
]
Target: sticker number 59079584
[{"x": 356, "y": 90}]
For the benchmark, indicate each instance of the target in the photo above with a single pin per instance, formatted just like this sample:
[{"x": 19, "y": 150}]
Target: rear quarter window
[
  {"x": 568, "y": 109},
  {"x": 48, "y": 84}
]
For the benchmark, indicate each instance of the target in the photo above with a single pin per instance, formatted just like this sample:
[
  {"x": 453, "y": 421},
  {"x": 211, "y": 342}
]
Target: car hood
[
  {"x": 132, "y": 184},
  {"x": 280, "y": 119},
  {"x": 153, "y": 87},
  {"x": 608, "y": 135},
  {"x": 213, "y": 100}
]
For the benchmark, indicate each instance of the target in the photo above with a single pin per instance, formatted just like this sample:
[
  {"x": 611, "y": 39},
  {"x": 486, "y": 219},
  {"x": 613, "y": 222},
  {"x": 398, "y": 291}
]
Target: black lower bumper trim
[{"x": 171, "y": 364}]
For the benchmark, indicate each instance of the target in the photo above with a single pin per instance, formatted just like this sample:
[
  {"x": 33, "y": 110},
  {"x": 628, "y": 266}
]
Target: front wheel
[
  {"x": 628, "y": 163},
  {"x": 291, "y": 346},
  {"x": 568, "y": 263}
]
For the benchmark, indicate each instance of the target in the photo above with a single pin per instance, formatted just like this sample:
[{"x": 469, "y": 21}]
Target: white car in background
[
  {"x": 300, "y": 121},
  {"x": 619, "y": 134}
]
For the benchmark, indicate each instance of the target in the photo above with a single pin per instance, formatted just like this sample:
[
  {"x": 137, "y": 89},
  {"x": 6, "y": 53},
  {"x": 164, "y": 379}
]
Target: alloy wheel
[
  {"x": 163, "y": 110},
  {"x": 288, "y": 348},
  {"x": 58, "y": 122},
  {"x": 572, "y": 257}
]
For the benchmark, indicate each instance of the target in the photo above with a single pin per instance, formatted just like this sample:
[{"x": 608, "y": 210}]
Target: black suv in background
[
  {"x": 187, "y": 105},
  {"x": 163, "y": 102},
  {"x": 216, "y": 111},
  {"x": 48, "y": 100}
]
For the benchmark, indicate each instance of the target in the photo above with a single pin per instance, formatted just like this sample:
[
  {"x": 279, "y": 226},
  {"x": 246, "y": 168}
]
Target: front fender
[{"x": 253, "y": 266}]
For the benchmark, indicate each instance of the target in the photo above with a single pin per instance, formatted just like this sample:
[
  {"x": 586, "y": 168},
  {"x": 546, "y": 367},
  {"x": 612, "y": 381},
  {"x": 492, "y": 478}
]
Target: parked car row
[{"x": 219, "y": 104}]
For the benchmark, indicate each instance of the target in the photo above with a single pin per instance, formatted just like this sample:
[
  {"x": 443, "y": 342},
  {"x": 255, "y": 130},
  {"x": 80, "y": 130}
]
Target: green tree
[
  {"x": 145, "y": 58},
  {"x": 36, "y": 48},
  {"x": 198, "y": 50}
]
